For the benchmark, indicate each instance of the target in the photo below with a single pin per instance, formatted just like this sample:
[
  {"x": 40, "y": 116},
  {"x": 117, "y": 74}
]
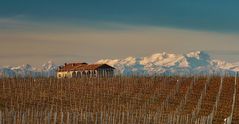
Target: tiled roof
[{"x": 82, "y": 66}]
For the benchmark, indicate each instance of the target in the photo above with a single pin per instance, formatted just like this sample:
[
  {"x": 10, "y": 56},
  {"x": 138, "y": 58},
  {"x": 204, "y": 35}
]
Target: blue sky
[
  {"x": 213, "y": 15},
  {"x": 51, "y": 22}
]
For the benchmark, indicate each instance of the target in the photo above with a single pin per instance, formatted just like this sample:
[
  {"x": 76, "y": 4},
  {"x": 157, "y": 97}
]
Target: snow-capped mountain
[
  {"x": 193, "y": 63},
  {"x": 47, "y": 70},
  {"x": 197, "y": 62}
]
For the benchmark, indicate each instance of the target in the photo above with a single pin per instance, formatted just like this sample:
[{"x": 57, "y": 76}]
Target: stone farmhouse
[{"x": 84, "y": 70}]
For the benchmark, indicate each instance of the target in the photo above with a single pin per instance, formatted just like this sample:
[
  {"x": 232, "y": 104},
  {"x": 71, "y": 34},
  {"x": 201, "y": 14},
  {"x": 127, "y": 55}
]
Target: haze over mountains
[{"x": 193, "y": 63}]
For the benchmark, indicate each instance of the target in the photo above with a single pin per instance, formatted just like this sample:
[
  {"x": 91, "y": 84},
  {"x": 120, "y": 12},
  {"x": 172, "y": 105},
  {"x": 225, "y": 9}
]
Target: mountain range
[
  {"x": 193, "y": 63},
  {"x": 47, "y": 70}
]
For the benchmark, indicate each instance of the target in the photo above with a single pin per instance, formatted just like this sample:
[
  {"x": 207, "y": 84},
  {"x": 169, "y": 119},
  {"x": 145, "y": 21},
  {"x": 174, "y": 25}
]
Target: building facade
[{"x": 80, "y": 70}]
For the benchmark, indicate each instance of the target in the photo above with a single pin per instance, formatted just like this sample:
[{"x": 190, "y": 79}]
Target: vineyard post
[
  {"x": 62, "y": 117},
  {"x": 49, "y": 117},
  {"x": 101, "y": 118},
  {"x": 55, "y": 117},
  {"x": 36, "y": 116},
  {"x": 73, "y": 118},
  {"x": 44, "y": 117},
  {"x": 14, "y": 118},
  {"x": 81, "y": 115},
  {"x": 77, "y": 117},
  {"x": 106, "y": 118},
  {"x": 23, "y": 118},
  {"x": 96, "y": 119},
  {"x": 113, "y": 118},
  {"x": 187, "y": 120},
  {"x": 110, "y": 115},
  {"x": 234, "y": 96},
  {"x": 68, "y": 118},
  {"x": 0, "y": 117},
  {"x": 122, "y": 117}
]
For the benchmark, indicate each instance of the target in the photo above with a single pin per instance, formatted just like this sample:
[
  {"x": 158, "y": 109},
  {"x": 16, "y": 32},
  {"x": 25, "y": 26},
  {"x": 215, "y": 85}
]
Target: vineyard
[{"x": 120, "y": 100}]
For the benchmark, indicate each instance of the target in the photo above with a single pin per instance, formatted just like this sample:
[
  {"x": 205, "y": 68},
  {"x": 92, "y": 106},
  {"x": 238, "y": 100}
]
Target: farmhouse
[{"x": 78, "y": 70}]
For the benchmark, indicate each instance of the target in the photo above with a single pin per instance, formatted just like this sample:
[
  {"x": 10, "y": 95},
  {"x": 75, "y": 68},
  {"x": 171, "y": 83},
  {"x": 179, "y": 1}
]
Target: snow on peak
[
  {"x": 164, "y": 59},
  {"x": 196, "y": 62},
  {"x": 26, "y": 70},
  {"x": 198, "y": 55},
  {"x": 109, "y": 61},
  {"x": 22, "y": 67},
  {"x": 50, "y": 65},
  {"x": 198, "y": 59}
]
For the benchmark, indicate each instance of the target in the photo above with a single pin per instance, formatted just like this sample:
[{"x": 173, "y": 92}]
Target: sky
[{"x": 34, "y": 31}]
